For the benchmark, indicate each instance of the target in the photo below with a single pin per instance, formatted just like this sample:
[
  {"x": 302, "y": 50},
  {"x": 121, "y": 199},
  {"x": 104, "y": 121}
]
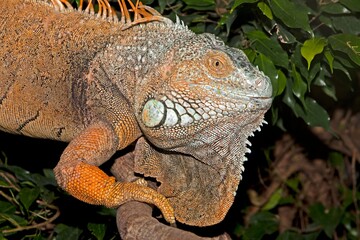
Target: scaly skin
[{"x": 69, "y": 76}]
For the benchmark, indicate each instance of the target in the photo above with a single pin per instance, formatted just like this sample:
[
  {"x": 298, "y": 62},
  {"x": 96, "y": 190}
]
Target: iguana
[{"x": 101, "y": 83}]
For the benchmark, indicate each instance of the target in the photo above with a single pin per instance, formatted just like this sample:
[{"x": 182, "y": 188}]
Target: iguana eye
[{"x": 218, "y": 64}]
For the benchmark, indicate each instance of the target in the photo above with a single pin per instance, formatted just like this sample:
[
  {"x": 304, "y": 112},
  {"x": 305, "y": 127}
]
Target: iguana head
[
  {"x": 200, "y": 85},
  {"x": 203, "y": 99}
]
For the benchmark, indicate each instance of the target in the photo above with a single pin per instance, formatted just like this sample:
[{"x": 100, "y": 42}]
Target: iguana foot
[{"x": 90, "y": 184}]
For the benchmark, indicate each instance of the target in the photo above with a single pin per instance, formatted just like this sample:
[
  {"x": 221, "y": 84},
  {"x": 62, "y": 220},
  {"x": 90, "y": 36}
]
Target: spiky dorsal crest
[{"x": 140, "y": 12}]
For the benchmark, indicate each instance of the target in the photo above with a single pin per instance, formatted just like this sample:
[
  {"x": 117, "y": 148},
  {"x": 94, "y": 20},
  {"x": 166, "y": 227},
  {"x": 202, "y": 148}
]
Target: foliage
[{"x": 29, "y": 209}]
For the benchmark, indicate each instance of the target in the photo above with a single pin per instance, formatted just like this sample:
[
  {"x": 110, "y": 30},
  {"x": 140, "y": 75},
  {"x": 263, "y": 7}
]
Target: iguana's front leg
[{"x": 78, "y": 174}]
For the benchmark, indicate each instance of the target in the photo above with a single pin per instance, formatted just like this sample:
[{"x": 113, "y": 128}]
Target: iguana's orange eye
[{"x": 218, "y": 64}]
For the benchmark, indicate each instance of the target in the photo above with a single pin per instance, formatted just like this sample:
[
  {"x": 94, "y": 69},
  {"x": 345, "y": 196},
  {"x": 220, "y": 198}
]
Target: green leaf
[
  {"x": 330, "y": 59},
  {"x": 289, "y": 98},
  {"x": 147, "y": 2},
  {"x": 19, "y": 172},
  {"x": 327, "y": 21},
  {"x": 251, "y": 54},
  {"x": 340, "y": 67},
  {"x": 275, "y": 117},
  {"x": 327, "y": 218},
  {"x": 65, "y": 232},
  {"x": 348, "y": 44},
  {"x": 299, "y": 61},
  {"x": 105, "y": 211},
  {"x": 299, "y": 87},
  {"x": 293, "y": 183},
  {"x": 291, "y": 14},
  {"x": 289, "y": 235},
  {"x": 265, "y": 9},
  {"x": 239, "y": 230},
  {"x": 315, "y": 115},
  {"x": 40, "y": 180},
  {"x": 201, "y": 5},
  {"x": 6, "y": 207},
  {"x": 267, "y": 66},
  {"x": 3, "y": 182},
  {"x": 162, "y": 5},
  {"x": 287, "y": 200},
  {"x": 334, "y": 8},
  {"x": 47, "y": 195},
  {"x": 347, "y": 24},
  {"x": 344, "y": 60},
  {"x": 261, "y": 223},
  {"x": 280, "y": 83},
  {"x": 198, "y": 28},
  {"x": 48, "y": 173},
  {"x": 311, "y": 236},
  {"x": 269, "y": 47},
  {"x": 239, "y": 2},
  {"x": 274, "y": 200},
  {"x": 227, "y": 19},
  {"x": 311, "y": 48},
  {"x": 336, "y": 159},
  {"x": 97, "y": 229},
  {"x": 28, "y": 196},
  {"x": 315, "y": 70},
  {"x": 13, "y": 219},
  {"x": 348, "y": 222},
  {"x": 32, "y": 178},
  {"x": 347, "y": 196},
  {"x": 352, "y": 5},
  {"x": 310, "y": 111},
  {"x": 326, "y": 85}
]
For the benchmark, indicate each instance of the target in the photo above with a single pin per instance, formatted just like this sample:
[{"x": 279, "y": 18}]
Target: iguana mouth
[{"x": 176, "y": 112}]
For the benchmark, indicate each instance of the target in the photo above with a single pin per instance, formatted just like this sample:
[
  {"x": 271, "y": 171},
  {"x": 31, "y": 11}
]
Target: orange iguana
[{"x": 101, "y": 83}]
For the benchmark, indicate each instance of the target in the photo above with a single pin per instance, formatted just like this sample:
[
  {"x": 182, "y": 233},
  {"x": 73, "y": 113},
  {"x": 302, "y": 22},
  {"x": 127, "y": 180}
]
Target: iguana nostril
[{"x": 259, "y": 82}]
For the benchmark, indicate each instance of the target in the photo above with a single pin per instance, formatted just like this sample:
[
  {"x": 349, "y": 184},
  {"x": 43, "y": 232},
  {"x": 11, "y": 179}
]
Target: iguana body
[{"x": 69, "y": 76}]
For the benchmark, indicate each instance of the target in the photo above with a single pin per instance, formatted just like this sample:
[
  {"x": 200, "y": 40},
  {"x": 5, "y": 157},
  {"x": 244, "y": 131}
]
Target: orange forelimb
[{"x": 78, "y": 174}]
